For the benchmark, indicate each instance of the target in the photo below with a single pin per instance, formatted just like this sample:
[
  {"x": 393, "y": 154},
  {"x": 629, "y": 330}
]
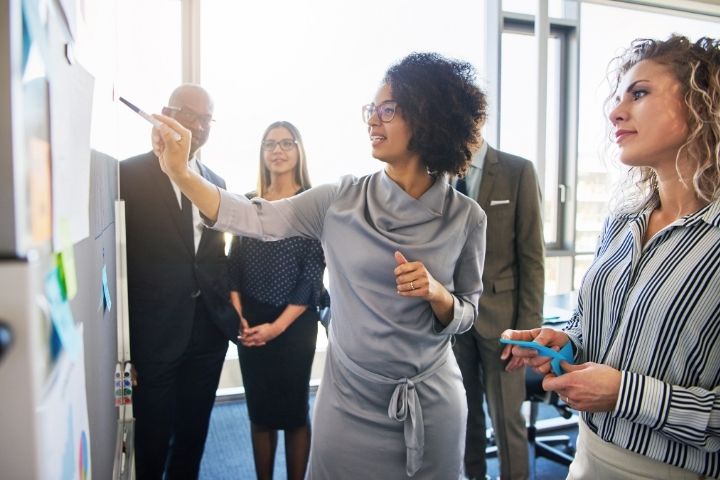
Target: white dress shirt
[{"x": 473, "y": 176}]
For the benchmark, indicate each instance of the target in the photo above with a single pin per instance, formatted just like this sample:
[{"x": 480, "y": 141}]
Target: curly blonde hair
[{"x": 697, "y": 67}]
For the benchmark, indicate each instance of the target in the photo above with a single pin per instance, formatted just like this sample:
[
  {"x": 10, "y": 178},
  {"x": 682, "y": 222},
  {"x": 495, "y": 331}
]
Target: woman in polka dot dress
[{"x": 277, "y": 289}]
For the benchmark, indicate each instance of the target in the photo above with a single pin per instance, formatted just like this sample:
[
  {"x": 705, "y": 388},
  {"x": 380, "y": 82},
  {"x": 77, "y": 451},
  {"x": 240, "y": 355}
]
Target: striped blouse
[{"x": 653, "y": 312}]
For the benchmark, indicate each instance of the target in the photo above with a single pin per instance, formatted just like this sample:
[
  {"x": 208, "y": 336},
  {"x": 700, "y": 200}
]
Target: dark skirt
[{"x": 276, "y": 376}]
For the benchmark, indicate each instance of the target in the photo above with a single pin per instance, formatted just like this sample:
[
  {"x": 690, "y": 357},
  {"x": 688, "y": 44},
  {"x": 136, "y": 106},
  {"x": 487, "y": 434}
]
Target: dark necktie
[
  {"x": 187, "y": 221},
  {"x": 461, "y": 185}
]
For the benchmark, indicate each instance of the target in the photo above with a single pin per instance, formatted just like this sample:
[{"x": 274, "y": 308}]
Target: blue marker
[{"x": 565, "y": 353}]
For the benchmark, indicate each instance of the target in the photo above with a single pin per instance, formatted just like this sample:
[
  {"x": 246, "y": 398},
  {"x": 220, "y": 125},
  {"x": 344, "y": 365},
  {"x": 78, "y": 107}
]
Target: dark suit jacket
[
  {"x": 513, "y": 275},
  {"x": 163, "y": 269}
]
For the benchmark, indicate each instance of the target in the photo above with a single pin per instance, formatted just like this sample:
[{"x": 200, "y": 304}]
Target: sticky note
[
  {"x": 107, "y": 301},
  {"x": 66, "y": 272},
  {"x": 60, "y": 313}
]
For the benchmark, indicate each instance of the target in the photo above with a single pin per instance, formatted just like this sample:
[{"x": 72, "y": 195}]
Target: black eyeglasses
[
  {"x": 190, "y": 116},
  {"x": 385, "y": 111},
  {"x": 286, "y": 144}
]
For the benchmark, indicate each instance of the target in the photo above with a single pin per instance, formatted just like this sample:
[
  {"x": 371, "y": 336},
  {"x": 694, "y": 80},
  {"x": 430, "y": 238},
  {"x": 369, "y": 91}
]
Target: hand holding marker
[{"x": 155, "y": 122}]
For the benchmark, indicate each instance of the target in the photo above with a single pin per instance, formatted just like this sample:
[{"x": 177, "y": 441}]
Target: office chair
[{"x": 558, "y": 448}]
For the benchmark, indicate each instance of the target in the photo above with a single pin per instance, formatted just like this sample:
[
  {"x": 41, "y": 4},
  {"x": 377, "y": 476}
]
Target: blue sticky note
[
  {"x": 55, "y": 343},
  {"x": 565, "y": 353},
  {"x": 53, "y": 289},
  {"x": 107, "y": 301},
  {"x": 27, "y": 39},
  {"x": 60, "y": 313},
  {"x": 63, "y": 320}
]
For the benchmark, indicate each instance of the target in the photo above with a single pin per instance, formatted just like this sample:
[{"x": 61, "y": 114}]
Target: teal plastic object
[{"x": 565, "y": 353}]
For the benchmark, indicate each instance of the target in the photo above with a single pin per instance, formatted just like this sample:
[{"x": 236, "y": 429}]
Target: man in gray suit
[{"x": 506, "y": 187}]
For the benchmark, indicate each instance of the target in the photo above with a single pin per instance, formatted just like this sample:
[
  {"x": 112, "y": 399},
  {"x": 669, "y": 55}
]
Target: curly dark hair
[
  {"x": 696, "y": 65},
  {"x": 443, "y": 106}
]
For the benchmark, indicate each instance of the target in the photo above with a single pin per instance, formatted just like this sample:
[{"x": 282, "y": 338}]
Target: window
[
  {"x": 547, "y": 137},
  {"x": 148, "y": 66},
  {"x": 529, "y": 7},
  {"x": 518, "y": 118},
  {"x": 320, "y": 79}
]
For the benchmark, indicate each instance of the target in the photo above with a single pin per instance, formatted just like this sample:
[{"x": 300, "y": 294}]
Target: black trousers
[{"x": 172, "y": 404}]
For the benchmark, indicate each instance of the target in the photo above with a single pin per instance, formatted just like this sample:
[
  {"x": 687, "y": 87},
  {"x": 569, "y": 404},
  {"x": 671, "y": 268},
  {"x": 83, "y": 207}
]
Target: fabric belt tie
[{"x": 404, "y": 403}]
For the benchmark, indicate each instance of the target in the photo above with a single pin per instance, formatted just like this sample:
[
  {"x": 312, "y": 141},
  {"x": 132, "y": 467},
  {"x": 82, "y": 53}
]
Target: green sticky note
[
  {"x": 66, "y": 272},
  {"x": 66, "y": 262}
]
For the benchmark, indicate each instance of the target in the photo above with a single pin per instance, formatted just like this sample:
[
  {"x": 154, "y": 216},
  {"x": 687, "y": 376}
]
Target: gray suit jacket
[{"x": 513, "y": 276}]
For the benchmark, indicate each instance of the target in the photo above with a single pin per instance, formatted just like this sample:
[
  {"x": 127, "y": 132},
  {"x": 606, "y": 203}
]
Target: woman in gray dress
[{"x": 404, "y": 252}]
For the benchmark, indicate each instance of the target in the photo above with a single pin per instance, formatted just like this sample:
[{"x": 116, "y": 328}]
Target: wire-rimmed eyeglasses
[
  {"x": 385, "y": 111},
  {"x": 286, "y": 144},
  {"x": 187, "y": 115}
]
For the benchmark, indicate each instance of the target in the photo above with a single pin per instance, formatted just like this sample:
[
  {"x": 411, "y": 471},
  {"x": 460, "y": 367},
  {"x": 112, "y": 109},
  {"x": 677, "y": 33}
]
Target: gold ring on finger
[{"x": 412, "y": 286}]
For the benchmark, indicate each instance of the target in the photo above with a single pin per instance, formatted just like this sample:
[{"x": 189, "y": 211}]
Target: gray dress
[{"x": 391, "y": 403}]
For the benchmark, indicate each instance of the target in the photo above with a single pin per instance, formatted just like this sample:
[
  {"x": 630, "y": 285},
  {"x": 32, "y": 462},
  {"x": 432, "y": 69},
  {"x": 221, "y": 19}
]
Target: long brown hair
[{"x": 301, "y": 174}]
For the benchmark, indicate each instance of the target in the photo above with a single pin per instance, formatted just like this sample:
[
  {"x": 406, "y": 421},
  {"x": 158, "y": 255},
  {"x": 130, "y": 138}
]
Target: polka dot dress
[{"x": 269, "y": 276}]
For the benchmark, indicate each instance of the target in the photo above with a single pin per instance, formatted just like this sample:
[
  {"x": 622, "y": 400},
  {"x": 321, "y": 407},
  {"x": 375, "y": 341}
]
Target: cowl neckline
[{"x": 392, "y": 207}]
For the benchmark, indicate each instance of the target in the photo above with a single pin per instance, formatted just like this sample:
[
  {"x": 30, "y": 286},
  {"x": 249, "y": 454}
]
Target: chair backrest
[
  {"x": 534, "y": 393},
  {"x": 533, "y": 387}
]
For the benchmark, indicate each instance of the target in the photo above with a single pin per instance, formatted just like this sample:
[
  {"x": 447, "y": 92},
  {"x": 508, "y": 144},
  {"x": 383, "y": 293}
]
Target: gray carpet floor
[{"x": 228, "y": 450}]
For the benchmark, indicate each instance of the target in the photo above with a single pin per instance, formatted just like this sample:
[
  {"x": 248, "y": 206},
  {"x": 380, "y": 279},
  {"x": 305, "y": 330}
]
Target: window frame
[
  {"x": 517, "y": 24},
  {"x": 567, "y": 29}
]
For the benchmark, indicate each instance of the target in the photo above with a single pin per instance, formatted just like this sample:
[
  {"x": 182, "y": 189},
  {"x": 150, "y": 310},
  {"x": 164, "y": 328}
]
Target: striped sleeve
[{"x": 687, "y": 415}]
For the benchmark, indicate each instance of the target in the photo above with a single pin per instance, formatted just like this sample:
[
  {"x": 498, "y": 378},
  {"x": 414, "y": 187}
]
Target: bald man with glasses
[{"x": 180, "y": 315}]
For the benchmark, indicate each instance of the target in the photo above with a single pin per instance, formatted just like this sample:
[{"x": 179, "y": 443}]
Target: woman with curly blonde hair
[
  {"x": 646, "y": 328},
  {"x": 698, "y": 67}
]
